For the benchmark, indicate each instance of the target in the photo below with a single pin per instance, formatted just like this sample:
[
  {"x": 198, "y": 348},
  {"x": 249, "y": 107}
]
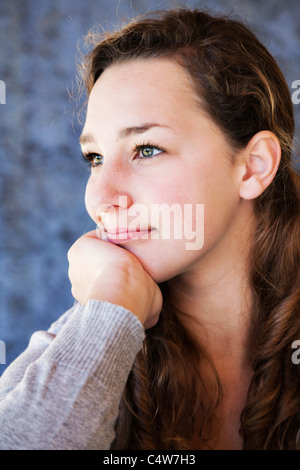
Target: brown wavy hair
[{"x": 166, "y": 401}]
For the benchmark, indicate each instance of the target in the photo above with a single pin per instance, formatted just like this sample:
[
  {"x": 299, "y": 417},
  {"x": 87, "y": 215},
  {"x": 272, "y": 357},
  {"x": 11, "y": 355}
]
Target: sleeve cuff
[{"x": 100, "y": 339}]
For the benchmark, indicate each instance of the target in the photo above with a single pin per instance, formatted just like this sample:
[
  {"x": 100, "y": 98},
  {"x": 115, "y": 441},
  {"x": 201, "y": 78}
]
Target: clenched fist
[{"x": 100, "y": 270}]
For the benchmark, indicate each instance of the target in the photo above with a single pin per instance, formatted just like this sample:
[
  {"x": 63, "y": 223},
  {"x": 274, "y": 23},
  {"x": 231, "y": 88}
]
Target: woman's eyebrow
[{"x": 125, "y": 132}]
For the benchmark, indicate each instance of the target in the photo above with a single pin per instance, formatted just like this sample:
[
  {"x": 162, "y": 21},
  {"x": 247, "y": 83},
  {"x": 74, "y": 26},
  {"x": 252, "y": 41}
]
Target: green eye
[
  {"x": 97, "y": 160},
  {"x": 147, "y": 151},
  {"x": 93, "y": 159}
]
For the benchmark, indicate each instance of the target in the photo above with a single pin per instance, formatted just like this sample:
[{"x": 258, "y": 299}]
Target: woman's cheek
[{"x": 88, "y": 201}]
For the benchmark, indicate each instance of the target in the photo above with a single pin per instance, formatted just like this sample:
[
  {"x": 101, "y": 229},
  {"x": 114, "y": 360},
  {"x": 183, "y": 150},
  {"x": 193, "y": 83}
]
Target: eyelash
[{"x": 89, "y": 156}]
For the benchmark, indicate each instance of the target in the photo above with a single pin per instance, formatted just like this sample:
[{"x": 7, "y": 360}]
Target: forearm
[{"x": 69, "y": 397}]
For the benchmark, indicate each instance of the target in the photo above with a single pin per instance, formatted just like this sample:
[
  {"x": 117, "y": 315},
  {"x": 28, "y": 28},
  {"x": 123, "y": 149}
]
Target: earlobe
[{"x": 260, "y": 161}]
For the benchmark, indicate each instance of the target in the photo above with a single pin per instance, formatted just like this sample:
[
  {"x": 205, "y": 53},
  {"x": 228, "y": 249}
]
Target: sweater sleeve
[{"x": 64, "y": 391}]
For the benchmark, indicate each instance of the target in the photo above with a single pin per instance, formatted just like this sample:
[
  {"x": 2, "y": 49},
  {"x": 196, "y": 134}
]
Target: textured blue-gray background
[{"x": 42, "y": 179}]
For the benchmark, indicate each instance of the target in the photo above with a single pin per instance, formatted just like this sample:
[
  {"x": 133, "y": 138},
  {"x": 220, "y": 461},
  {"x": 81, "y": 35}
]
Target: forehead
[
  {"x": 132, "y": 93},
  {"x": 141, "y": 86}
]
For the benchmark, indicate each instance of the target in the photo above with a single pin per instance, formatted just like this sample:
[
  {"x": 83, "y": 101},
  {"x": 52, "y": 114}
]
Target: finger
[{"x": 91, "y": 234}]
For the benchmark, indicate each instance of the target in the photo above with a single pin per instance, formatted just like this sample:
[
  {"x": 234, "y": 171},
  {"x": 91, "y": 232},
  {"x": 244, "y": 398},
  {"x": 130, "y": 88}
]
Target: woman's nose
[{"x": 108, "y": 186}]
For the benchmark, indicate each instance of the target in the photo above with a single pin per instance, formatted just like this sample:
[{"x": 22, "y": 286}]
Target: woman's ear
[{"x": 259, "y": 164}]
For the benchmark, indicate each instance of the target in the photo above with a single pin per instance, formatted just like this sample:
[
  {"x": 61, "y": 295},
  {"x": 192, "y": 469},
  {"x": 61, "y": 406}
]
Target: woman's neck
[
  {"x": 219, "y": 316},
  {"x": 217, "y": 297}
]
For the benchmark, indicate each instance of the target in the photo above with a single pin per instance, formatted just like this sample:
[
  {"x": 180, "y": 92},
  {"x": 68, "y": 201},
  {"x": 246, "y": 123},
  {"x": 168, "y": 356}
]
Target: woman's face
[{"x": 159, "y": 163}]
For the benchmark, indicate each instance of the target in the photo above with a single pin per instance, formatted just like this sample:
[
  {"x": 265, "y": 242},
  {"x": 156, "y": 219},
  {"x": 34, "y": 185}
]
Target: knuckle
[
  {"x": 73, "y": 250},
  {"x": 70, "y": 253},
  {"x": 74, "y": 293}
]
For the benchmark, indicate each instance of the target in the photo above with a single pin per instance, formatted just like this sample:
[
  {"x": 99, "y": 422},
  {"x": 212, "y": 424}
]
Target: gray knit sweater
[{"x": 64, "y": 390}]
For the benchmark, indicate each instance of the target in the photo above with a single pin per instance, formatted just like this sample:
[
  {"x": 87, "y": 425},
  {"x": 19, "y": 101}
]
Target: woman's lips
[{"x": 121, "y": 236}]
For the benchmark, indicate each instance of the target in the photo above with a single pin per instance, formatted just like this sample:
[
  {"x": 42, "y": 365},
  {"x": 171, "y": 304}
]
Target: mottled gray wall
[{"x": 42, "y": 179}]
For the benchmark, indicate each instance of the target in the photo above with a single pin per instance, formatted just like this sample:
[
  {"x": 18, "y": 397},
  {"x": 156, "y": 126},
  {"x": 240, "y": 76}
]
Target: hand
[{"x": 104, "y": 271}]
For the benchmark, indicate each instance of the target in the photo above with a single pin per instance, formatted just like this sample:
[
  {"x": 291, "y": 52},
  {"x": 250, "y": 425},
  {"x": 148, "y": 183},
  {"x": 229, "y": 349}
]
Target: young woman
[{"x": 173, "y": 346}]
